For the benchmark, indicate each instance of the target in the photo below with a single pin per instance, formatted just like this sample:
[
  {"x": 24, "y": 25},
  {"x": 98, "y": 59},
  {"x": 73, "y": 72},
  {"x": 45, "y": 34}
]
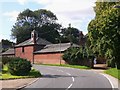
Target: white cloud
[
  {"x": 69, "y": 5},
  {"x": 75, "y": 12},
  {"x": 68, "y": 11},
  {"x": 22, "y": 2},
  {"x": 42, "y": 1},
  {"x": 12, "y": 15}
]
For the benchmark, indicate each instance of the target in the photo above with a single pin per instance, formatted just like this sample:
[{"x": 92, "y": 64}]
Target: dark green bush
[
  {"x": 71, "y": 55},
  {"x": 6, "y": 60},
  {"x": 78, "y": 56},
  {"x": 35, "y": 73},
  {"x": 19, "y": 67},
  {"x": 118, "y": 65},
  {"x": 111, "y": 63},
  {"x": 74, "y": 55},
  {"x": 108, "y": 63}
]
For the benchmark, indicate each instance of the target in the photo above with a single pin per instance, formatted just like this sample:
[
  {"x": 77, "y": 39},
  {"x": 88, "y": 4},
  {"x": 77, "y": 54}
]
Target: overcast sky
[{"x": 77, "y": 12}]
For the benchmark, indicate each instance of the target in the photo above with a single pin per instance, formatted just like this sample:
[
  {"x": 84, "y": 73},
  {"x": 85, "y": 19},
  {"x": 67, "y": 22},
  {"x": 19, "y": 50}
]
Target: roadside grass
[
  {"x": 113, "y": 72},
  {"x": 5, "y": 75},
  {"x": 66, "y": 65}
]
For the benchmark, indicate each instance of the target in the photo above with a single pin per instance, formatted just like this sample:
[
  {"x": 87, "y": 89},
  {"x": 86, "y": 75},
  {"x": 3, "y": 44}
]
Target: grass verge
[
  {"x": 66, "y": 65},
  {"x": 5, "y": 75},
  {"x": 113, "y": 72}
]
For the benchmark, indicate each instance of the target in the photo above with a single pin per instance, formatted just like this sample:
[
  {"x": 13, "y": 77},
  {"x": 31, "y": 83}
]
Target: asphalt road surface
[{"x": 68, "y": 78}]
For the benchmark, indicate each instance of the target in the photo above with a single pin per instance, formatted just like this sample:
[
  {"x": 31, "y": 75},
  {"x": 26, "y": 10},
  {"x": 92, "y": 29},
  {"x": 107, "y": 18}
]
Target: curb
[
  {"x": 108, "y": 80},
  {"x": 113, "y": 81},
  {"x": 27, "y": 84}
]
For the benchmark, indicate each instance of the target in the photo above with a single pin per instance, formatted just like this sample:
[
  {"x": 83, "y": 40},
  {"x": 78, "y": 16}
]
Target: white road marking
[
  {"x": 73, "y": 79},
  {"x": 66, "y": 73},
  {"x": 109, "y": 81},
  {"x": 69, "y": 86},
  {"x": 71, "y": 83}
]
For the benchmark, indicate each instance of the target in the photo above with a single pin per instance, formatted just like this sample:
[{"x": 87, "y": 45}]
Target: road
[{"x": 67, "y": 78}]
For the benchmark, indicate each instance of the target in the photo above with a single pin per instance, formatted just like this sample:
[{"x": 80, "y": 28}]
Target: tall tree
[
  {"x": 70, "y": 34},
  {"x": 6, "y": 44},
  {"x": 104, "y": 31},
  {"x": 43, "y": 21}
]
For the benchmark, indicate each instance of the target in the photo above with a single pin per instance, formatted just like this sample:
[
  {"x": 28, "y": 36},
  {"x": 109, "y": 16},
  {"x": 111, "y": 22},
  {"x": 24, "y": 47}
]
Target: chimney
[{"x": 34, "y": 36}]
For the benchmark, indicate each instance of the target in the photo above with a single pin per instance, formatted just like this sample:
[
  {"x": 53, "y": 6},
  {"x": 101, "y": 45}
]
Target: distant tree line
[{"x": 6, "y": 44}]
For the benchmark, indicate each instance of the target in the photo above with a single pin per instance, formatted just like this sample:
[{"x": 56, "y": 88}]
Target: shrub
[
  {"x": 19, "y": 67},
  {"x": 71, "y": 55},
  {"x": 75, "y": 56},
  {"x": 35, "y": 73},
  {"x": 108, "y": 63},
  {"x": 118, "y": 65},
  {"x": 111, "y": 63},
  {"x": 6, "y": 60}
]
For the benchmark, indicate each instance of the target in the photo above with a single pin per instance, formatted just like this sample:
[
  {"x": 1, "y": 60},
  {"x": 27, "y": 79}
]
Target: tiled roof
[
  {"x": 38, "y": 41},
  {"x": 9, "y": 52},
  {"x": 56, "y": 47}
]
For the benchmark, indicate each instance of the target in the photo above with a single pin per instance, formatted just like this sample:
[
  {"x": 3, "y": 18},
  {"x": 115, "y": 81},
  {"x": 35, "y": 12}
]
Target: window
[{"x": 23, "y": 49}]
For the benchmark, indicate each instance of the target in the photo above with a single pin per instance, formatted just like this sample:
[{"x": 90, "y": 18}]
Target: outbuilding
[{"x": 38, "y": 50}]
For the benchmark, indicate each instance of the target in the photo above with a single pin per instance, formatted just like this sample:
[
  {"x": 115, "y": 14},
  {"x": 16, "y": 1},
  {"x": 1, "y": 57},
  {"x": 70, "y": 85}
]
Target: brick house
[{"x": 38, "y": 50}]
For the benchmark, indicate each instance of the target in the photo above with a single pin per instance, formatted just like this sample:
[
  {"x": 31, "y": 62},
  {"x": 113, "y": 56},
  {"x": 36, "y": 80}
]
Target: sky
[{"x": 77, "y": 12}]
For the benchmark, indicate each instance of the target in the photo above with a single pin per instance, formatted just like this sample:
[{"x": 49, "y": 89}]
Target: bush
[
  {"x": 108, "y": 63},
  {"x": 19, "y": 67},
  {"x": 118, "y": 65},
  {"x": 76, "y": 56},
  {"x": 6, "y": 60},
  {"x": 111, "y": 63},
  {"x": 71, "y": 55},
  {"x": 35, "y": 73}
]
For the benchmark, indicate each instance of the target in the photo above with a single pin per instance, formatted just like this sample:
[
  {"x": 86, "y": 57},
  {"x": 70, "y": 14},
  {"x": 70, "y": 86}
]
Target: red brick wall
[
  {"x": 53, "y": 58},
  {"x": 27, "y": 54}
]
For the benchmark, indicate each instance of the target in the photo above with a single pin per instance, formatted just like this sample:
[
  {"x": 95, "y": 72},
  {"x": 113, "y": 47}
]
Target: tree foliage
[
  {"x": 104, "y": 31},
  {"x": 79, "y": 55},
  {"x": 19, "y": 66},
  {"x": 43, "y": 21},
  {"x": 6, "y": 44},
  {"x": 70, "y": 34}
]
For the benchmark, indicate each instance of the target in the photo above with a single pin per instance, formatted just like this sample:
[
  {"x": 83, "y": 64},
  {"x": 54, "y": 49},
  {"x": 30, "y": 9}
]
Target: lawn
[
  {"x": 66, "y": 65},
  {"x": 113, "y": 72},
  {"x": 4, "y": 75}
]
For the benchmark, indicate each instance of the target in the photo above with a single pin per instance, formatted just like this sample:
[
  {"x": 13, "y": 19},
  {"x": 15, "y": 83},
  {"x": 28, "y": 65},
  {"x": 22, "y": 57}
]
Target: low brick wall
[{"x": 50, "y": 58}]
